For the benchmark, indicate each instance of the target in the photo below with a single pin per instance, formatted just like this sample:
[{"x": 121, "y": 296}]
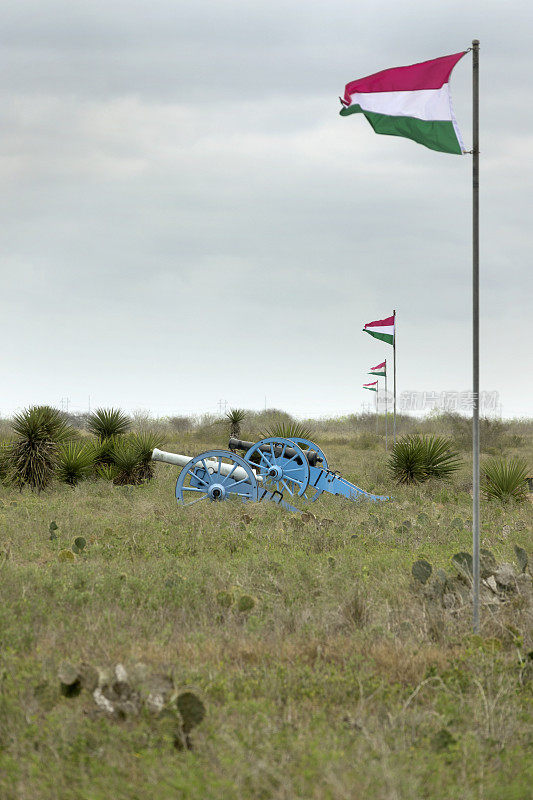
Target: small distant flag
[
  {"x": 381, "y": 329},
  {"x": 372, "y": 387},
  {"x": 379, "y": 369}
]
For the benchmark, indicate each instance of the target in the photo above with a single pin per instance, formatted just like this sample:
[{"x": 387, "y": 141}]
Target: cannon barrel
[
  {"x": 311, "y": 455},
  {"x": 181, "y": 461}
]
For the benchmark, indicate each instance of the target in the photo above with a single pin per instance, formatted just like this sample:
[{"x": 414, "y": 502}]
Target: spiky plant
[
  {"x": 106, "y": 423},
  {"x": 107, "y": 472},
  {"x": 406, "y": 462},
  {"x": 126, "y": 463},
  {"x": 415, "y": 459},
  {"x": 104, "y": 451},
  {"x": 75, "y": 462},
  {"x": 441, "y": 459},
  {"x": 505, "y": 480},
  {"x": 144, "y": 443},
  {"x": 287, "y": 430},
  {"x": 235, "y": 416},
  {"x": 32, "y": 457}
]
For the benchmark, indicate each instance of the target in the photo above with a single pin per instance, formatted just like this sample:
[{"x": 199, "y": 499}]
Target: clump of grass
[
  {"x": 416, "y": 459},
  {"x": 31, "y": 459},
  {"x": 75, "y": 462},
  {"x": 505, "y": 480},
  {"x": 106, "y": 423}
]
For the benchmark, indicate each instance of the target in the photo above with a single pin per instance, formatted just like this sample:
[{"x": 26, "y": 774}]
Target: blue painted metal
[
  {"x": 197, "y": 481},
  {"x": 270, "y": 475},
  {"x": 278, "y": 471},
  {"x": 314, "y": 488},
  {"x": 333, "y": 483}
]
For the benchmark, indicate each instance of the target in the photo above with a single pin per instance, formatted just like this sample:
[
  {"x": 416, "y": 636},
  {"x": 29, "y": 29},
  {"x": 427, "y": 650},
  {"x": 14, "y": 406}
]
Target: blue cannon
[{"x": 275, "y": 469}]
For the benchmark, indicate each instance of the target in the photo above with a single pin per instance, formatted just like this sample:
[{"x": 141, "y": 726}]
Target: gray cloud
[{"x": 185, "y": 216}]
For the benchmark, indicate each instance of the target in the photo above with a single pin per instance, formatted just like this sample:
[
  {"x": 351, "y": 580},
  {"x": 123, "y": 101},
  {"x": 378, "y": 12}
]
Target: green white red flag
[
  {"x": 381, "y": 329},
  {"x": 372, "y": 387},
  {"x": 413, "y": 102},
  {"x": 379, "y": 369}
]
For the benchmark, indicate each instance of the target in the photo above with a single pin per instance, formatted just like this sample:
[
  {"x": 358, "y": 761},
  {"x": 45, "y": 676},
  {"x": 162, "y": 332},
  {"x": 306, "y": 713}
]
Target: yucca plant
[
  {"x": 406, "y": 462},
  {"x": 108, "y": 472},
  {"x": 31, "y": 459},
  {"x": 287, "y": 430},
  {"x": 75, "y": 462},
  {"x": 126, "y": 463},
  {"x": 104, "y": 450},
  {"x": 106, "y": 423},
  {"x": 415, "y": 459},
  {"x": 144, "y": 443},
  {"x": 441, "y": 459},
  {"x": 505, "y": 480},
  {"x": 235, "y": 416}
]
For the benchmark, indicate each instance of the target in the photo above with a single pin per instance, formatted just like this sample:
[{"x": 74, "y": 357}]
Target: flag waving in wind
[
  {"x": 413, "y": 102},
  {"x": 379, "y": 369},
  {"x": 381, "y": 329},
  {"x": 372, "y": 387}
]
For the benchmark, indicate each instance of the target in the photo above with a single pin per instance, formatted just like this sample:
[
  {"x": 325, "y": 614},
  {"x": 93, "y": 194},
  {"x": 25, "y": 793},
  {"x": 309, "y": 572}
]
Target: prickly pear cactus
[{"x": 422, "y": 571}]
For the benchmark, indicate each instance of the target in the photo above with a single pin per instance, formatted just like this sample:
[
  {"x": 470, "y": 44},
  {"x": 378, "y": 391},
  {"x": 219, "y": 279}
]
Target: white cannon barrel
[{"x": 181, "y": 461}]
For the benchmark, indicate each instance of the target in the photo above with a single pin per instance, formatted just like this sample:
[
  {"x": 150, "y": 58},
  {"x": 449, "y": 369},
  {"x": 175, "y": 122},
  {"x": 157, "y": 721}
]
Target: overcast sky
[{"x": 186, "y": 218}]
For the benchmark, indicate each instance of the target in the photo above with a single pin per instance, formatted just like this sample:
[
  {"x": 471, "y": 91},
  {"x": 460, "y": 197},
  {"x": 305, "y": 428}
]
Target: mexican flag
[
  {"x": 381, "y": 329},
  {"x": 379, "y": 369},
  {"x": 413, "y": 102},
  {"x": 372, "y": 387}
]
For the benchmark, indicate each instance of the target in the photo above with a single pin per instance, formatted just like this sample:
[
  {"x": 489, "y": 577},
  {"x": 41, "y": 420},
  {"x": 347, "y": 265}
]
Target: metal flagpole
[
  {"x": 386, "y": 410},
  {"x": 475, "y": 331},
  {"x": 377, "y": 406},
  {"x": 394, "y": 365}
]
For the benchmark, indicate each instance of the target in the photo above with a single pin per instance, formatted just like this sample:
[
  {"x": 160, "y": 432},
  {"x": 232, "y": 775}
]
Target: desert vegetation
[{"x": 239, "y": 651}]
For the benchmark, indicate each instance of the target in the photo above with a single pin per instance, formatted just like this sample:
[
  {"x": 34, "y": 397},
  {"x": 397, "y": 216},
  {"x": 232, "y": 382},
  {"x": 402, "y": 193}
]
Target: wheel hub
[{"x": 216, "y": 492}]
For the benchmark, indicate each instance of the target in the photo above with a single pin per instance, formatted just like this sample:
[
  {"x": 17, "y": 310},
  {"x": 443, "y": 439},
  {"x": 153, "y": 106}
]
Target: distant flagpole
[
  {"x": 394, "y": 378},
  {"x": 386, "y": 410},
  {"x": 377, "y": 407},
  {"x": 475, "y": 332}
]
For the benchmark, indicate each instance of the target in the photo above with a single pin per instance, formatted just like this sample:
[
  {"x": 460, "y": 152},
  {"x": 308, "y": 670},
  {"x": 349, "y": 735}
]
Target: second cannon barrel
[{"x": 311, "y": 455}]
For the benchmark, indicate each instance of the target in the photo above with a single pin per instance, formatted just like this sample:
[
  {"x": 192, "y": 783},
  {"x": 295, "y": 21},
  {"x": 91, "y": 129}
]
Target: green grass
[{"x": 339, "y": 683}]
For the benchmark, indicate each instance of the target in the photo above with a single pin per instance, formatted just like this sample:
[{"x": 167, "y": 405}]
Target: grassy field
[{"x": 344, "y": 680}]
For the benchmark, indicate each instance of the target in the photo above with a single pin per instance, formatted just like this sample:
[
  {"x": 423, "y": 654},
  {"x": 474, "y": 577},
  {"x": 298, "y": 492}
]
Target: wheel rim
[
  {"x": 210, "y": 476},
  {"x": 280, "y": 473},
  {"x": 312, "y": 493}
]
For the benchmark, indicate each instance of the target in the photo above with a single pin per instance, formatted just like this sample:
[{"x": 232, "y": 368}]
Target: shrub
[
  {"x": 106, "y": 423},
  {"x": 144, "y": 443},
  {"x": 287, "y": 430},
  {"x": 415, "y": 459},
  {"x": 504, "y": 480},
  {"x": 31, "y": 459},
  {"x": 441, "y": 460},
  {"x": 75, "y": 462},
  {"x": 235, "y": 416},
  {"x": 126, "y": 463}
]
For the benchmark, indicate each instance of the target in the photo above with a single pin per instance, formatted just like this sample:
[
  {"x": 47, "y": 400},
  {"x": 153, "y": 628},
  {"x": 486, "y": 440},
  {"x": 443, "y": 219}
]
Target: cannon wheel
[
  {"x": 200, "y": 480},
  {"x": 280, "y": 473},
  {"x": 312, "y": 493}
]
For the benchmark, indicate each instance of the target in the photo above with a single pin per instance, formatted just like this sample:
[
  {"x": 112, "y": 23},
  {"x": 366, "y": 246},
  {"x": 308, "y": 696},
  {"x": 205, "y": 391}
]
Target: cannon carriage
[{"x": 274, "y": 469}]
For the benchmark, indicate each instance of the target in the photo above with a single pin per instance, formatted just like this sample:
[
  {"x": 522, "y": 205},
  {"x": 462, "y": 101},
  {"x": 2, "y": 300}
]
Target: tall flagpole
[
  {"x": 386, "y": 410},
  {"x": 377, "y": 407},
  {"x": 394, "y": 365},
  {"x": 475, "y": 331}
]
